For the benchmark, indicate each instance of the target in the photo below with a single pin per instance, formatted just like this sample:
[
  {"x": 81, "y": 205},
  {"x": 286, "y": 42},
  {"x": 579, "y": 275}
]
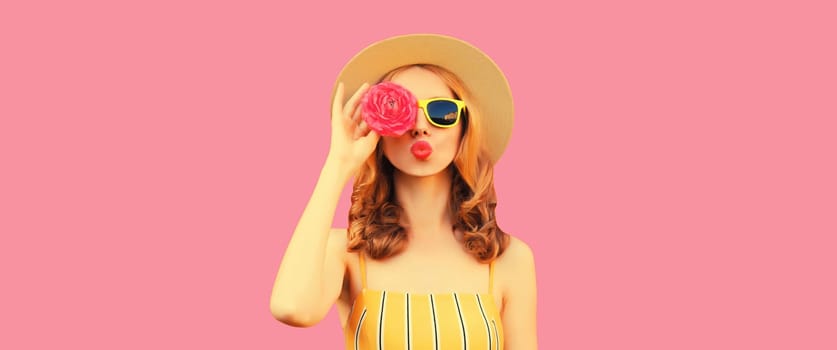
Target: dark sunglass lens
[{"x": 442, "y": 112}]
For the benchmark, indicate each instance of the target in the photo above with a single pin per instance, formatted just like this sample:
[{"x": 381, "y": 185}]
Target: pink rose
[{"x": 389, "y": 109}]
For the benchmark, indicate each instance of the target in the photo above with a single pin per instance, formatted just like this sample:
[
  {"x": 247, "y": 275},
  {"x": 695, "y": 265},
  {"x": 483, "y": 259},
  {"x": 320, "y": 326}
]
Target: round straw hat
[{"x": 486, "y": 82}]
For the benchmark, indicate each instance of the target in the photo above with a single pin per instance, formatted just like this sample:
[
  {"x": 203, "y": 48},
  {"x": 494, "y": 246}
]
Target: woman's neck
[{"x": 424, "y": 201}]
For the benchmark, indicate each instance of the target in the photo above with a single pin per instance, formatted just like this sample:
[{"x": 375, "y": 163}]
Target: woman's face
[{"x": 443, "y": 142}]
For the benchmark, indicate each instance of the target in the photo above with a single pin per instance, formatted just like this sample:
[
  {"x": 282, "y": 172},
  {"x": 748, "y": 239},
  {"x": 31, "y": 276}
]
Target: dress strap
[
  {"x": 491, "y": 277},
  {"x": 362, "y": 269}
]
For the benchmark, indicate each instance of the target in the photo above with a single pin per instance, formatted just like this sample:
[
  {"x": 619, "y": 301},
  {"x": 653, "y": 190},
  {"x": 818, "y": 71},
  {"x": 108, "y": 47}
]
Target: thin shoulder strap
[
  {"x": 491, "y": 277},
  {"x": 362, "y": 269}
]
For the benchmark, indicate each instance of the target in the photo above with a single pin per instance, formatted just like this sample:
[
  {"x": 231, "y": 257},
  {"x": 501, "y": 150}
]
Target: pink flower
[{"x": 389, "y": 109}]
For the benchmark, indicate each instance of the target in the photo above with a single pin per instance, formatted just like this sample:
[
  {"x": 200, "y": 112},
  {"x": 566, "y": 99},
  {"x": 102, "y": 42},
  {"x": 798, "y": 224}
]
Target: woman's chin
[{"x": 420, "y": 168}]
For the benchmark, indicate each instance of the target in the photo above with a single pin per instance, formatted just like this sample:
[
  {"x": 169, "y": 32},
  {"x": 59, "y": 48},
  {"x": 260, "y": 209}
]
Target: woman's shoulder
[
  {"x": 517, "y": 252},
  {"x": 516, "y": 264},
  {"x": 514, "y": 272}
]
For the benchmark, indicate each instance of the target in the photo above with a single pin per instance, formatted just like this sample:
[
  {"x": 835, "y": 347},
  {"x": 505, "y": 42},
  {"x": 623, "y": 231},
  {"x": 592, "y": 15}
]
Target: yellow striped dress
[{"x": 390, "y": 320}]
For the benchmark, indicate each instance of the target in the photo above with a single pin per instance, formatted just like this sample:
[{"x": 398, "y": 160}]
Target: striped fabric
[{"x": 387, "y": 320}]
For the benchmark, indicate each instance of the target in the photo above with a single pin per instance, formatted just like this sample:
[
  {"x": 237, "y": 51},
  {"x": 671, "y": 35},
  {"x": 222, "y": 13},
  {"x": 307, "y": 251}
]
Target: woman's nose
[{"x": 422, "y": 127}]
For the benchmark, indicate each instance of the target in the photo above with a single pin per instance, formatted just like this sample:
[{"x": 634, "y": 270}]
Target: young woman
[{"x": 423, "y": 264}]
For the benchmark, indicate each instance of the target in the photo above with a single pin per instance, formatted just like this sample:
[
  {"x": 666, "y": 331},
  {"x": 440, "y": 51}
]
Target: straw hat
[{"x": 486, "y": 82}]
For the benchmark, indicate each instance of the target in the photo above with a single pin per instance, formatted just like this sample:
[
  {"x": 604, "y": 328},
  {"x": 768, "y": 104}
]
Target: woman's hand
[{"x": 351, "y": 139}]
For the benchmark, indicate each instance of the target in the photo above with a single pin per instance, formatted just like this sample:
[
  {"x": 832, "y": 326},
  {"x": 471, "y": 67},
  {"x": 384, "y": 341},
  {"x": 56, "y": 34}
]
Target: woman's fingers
[
  {"x": 354, "y": 101},
  {"x": 351, "y": 112},
  {"x": 356, "y": 119},
  {"x": 361, "y": 130},
  {"x": 370, "y": 140},
  {"x": 338, "y": 99}
]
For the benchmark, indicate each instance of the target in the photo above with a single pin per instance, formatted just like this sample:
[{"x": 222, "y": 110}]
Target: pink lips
[{"x": 421, "y": 149}]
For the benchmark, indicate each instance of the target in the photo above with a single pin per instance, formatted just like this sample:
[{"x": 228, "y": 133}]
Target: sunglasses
[{"x": 442, "y": 112}]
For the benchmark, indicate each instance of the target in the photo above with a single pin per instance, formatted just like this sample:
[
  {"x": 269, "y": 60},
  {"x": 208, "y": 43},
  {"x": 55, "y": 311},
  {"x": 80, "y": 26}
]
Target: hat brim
[{"x": 486, "y": 82}]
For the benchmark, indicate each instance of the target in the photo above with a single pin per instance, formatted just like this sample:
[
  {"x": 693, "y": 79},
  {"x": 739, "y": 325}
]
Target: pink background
[{"x": 672, "y": 166}]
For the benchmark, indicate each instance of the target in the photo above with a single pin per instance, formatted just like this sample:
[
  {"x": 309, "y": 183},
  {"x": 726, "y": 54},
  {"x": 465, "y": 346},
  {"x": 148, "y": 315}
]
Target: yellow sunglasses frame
[{"x": 460, "y": 105}]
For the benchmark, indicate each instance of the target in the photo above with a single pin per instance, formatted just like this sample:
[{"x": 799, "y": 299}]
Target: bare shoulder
[
  {"x": 515, "y": 272},
  {"x": 516, "y": 277},
  {"x": 517, "y": 255}
]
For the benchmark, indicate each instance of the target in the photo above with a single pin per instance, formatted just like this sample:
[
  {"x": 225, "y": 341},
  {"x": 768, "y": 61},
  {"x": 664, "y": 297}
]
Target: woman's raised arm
[{"x": 310, "y": 275}]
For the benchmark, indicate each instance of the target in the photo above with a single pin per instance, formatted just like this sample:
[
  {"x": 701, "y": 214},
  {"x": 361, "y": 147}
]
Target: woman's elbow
[{"x": 292, "y": 315}]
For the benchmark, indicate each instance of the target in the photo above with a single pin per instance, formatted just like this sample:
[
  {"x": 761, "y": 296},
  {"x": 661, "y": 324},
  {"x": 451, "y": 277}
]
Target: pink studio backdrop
[{"x": 672, "y": 165}]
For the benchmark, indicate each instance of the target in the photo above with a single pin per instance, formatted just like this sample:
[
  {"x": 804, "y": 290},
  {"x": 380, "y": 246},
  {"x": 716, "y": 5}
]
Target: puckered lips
[{"x": 421, "y": 149}]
